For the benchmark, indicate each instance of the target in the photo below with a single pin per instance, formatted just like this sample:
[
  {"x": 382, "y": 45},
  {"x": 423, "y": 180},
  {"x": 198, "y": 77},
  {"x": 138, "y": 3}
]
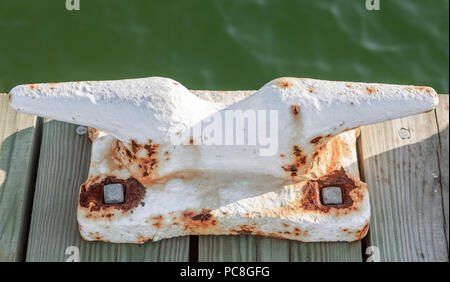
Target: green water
[{"x": 225, "y": 44}]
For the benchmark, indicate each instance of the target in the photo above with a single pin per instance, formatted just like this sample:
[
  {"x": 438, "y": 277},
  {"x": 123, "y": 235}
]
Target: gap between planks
[{"x": 31, "y": 179}]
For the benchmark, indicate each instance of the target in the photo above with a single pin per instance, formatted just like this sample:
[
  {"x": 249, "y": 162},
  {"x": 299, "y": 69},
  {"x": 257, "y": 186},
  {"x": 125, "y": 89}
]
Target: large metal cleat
[{"x": 163, "y": 163}]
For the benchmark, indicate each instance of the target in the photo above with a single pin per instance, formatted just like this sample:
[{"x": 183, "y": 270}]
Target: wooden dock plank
[
  {"x": 256, "y": 248},
  {"x": 63, "y": 166},
  {"x": 442, "y": 114},
  {"x": 407, "y": 221},
  {"x": 227, "y": 248},
  {"x": 18, "y": 136},
  {"x": 326, "y": 252}
]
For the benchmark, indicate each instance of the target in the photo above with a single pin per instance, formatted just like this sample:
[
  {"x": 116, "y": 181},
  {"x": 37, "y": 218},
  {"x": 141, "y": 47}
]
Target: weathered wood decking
[{"x": 43, "y": 162}]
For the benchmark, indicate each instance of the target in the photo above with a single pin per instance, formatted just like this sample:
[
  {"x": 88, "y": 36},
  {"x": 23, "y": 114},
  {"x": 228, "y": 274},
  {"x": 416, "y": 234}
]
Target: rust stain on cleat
[
  {"x": 311, "y": 199},
  {"x": 91, "y": 194}
]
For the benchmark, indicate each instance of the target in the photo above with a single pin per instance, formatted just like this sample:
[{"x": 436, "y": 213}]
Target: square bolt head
[
  {"x": 113, "y": 193},
  {"x": 331, "y": 196}
]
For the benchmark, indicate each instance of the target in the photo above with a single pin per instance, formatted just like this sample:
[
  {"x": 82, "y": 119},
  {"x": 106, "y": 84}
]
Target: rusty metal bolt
[
  {"x": 404, "y": 133},
  {"x": 113, "y": 194},
  {"x": 331, "y": 196},
  {"x": 81, "y": 130}
]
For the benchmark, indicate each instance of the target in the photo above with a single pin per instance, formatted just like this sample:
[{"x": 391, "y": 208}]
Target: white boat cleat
[{"x": 278, "y": 162}]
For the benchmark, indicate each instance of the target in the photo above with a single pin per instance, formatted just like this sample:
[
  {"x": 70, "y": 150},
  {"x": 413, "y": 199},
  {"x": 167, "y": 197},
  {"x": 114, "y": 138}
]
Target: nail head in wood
[
  {"x": 404, "y": 133},
  {"x": 81, "y": 130}
]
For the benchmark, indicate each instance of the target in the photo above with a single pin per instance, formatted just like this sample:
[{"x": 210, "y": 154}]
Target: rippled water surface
[{"x": 225, "y": 44}]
